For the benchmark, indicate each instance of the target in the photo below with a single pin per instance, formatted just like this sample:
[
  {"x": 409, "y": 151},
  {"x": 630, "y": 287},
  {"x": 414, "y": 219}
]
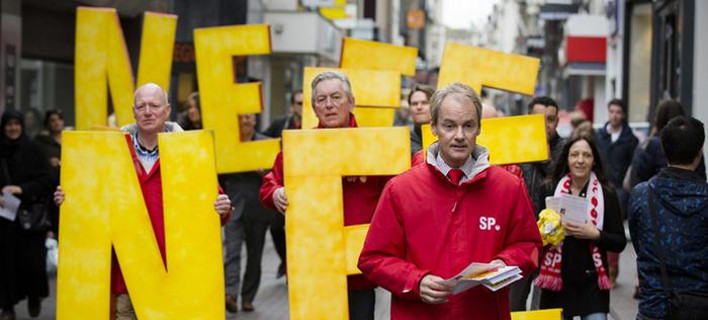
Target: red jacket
[
  {"x": 360, "y": 197},
  {"x": 151, "y": 186},
  {"x": 424, "y": 224}
]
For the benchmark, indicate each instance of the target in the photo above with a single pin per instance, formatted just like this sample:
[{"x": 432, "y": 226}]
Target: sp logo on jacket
[{"x": 488, "y": 224}]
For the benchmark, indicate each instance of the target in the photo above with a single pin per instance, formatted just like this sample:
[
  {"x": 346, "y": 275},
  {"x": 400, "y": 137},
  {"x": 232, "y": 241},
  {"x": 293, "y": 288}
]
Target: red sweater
[
  {"x": 151, "y": 186},
  {"x": 360, "y": 198},
  {"x": 424, "y": 224}
]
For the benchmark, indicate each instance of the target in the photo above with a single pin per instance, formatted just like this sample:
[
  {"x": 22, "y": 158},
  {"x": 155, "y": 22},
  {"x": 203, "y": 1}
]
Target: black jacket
[
  {"x": 276, "y": 128},
  {"x": 649, "y": 159},
  {"x": 536, "y": 174},
  {"x": 242, "y": 188},
  {"x": 416, "y": 139},
  {"x": 28, "y": 168},
  {"x": 616, "y": 156}
]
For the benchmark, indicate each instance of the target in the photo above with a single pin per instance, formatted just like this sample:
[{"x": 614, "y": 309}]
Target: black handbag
[
  {"x": 683, "y": 305},
  {"x": 30, "y": 216}
]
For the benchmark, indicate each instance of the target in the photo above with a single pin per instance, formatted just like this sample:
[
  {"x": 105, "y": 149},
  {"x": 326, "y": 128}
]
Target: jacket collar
[{"x": 476, "y": 164}]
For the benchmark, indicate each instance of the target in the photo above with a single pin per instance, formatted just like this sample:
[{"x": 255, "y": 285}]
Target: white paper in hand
[
  {"x": 573, "y": 208},
  {"x": 12, "y": 203}
]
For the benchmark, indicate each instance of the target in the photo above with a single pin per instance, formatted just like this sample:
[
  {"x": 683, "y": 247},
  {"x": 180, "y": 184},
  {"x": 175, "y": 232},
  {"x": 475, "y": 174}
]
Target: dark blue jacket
[
  {"x": 649, "y": 158},
  {"x": 616, "y": 156},
  {"x": 680, "y": 198}
]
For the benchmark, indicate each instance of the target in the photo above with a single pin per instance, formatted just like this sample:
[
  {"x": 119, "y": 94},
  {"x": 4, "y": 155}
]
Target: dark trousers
[
  {"x": 361, "y": 304},
  {"x": 255, "y": 240},
  {"x": 233, "y": 241},
  {"x": 277, "y": 232},
  {"x": 520, "y": 291}
]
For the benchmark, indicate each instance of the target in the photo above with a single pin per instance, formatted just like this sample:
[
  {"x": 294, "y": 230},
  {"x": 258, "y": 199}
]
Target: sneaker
[
  {"x": 248, "y": 306},
  {"x": 231, "y": 304},
  {"x": 34, "y": 307}
]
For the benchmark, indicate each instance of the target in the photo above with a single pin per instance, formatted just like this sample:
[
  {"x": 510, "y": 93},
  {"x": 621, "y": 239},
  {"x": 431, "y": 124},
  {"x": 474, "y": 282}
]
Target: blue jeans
[{"x": 592, "y": 316}]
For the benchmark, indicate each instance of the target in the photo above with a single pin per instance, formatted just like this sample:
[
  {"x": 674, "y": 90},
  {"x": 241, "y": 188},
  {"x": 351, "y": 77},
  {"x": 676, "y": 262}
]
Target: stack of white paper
[{"x": 493, "y": 278}]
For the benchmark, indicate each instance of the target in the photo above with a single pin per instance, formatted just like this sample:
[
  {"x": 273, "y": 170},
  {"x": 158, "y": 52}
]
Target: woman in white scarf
[{"x": 574, "y": 275}]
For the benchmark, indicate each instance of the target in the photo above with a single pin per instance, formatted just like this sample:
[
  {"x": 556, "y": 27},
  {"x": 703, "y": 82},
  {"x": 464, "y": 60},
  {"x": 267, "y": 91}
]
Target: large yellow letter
[
  {"x": 223, "y": 100},
  {"x": 321, "y": 251},
  {"x": 377, "y": 90},
  {"x": 476, "y": 67},
  {"x": 101, "y": 54},
  {"x": 104, "y": 205},
  {"x": 509, "y": 139}
]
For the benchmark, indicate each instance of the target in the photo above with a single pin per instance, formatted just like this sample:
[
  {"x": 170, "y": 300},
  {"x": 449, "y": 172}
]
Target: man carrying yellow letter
[
  {"x": 461, "y": 210},
  {"x": 151, "y": 111},
  {"x": 333, "y": 103}
]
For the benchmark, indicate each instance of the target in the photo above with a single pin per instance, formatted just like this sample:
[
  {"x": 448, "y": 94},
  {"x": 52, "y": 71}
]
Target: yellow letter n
[
  {"x": 104, "y": 206},
  {"x": 102, "y": 56}
]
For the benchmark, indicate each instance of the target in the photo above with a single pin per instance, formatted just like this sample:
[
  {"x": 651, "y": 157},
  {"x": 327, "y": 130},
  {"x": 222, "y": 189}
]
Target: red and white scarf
[{"x": 550, "y": 276}]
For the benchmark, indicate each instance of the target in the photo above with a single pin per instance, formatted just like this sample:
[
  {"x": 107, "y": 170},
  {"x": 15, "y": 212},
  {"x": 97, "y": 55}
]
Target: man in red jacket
[
  {"x": 151, "y": 111},
  {"x": 333, "y": 102},
  {"x": 435, "y": 219}
]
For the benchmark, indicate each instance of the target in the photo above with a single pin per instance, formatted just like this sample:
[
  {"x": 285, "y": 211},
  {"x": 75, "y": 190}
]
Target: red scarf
[{"x": 550, "y": 276}]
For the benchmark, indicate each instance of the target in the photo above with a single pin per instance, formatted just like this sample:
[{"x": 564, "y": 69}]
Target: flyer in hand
[{"x": 491, "y": 276}]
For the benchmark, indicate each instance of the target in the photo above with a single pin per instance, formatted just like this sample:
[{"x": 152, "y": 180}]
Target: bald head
[
  {"x": 150, "y": 108},
  {"x": 150, "y": 88}
]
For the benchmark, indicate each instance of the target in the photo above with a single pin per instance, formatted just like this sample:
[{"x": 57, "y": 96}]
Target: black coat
[
  {"x": 416, "y": 139},
  {"x": 649, "y": 159},
  {"x": 616, "y": 156},
  {"x": 22, "y": 253},
  {"x": 580, "y": 294},
  {"x": 276, "y": 128},
  {"x": 536, "y": 174},
  {"x": 243, "y": 188}
]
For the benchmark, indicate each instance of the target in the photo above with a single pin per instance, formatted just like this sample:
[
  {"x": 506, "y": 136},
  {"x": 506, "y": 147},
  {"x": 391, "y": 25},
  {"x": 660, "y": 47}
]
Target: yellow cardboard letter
[
  {"x": 104, "y": 206},
  {"x": 223, "y": 100},
  {"x": 102, "y": 56},
  {"x": 321, "y": 251}
]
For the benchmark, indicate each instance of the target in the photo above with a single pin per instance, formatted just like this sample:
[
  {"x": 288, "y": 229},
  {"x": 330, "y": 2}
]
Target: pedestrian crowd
[{"x": 427, "y": 224}]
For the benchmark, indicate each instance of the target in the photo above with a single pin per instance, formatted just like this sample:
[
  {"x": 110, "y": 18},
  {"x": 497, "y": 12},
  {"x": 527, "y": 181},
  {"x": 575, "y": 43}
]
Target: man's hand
[
  {"x": 433, "y": 290},
  {"x": 280, "y": 200},
  {"x": 586, "y": 230},
  {"x": 58, "y": 196},
  {"x": 497, "y": 263},
  {"x": 16, "y": 190},
  {"x": 222, "y": 204}
]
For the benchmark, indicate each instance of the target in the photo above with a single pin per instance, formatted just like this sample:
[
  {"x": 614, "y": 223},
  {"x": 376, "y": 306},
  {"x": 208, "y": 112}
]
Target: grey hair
[
  {"x": 330, "y": 75},
  {"x": 458, "y": 89}
]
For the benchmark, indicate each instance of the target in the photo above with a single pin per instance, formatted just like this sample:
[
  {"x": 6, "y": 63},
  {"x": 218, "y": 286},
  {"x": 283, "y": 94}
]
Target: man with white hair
[
  {"x": 151, "y": 111},
  {"x": 333, "y": 103}
]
